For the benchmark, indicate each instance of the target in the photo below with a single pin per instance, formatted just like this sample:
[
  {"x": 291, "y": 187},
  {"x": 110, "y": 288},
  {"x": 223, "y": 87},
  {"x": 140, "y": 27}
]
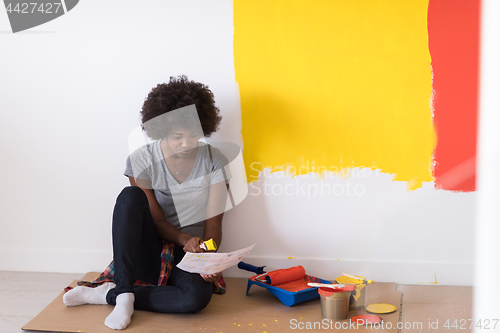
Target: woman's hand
[
  {"x": 193, "y": 245},
  {"x": 211, "y": 277}
]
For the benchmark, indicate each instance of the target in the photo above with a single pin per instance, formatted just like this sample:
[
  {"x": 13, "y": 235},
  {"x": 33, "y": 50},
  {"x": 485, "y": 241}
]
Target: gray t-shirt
[{"x": 183, "y": 205}]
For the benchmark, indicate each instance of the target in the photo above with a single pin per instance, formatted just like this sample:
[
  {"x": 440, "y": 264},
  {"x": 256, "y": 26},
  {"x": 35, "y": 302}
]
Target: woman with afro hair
[{"x": 178, "y": 187}]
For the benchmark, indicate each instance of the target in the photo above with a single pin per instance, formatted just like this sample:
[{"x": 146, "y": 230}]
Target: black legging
[{"x": 136, "y": 253}]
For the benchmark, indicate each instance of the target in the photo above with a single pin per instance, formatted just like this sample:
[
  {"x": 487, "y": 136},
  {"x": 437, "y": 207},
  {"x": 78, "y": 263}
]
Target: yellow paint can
[{"x": 357, "y": 299}]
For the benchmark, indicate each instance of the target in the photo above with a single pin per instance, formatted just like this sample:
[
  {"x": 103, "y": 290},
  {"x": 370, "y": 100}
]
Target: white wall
[
  {"x": 72, "y": 90},
  {"x": 487, "y": 228}
]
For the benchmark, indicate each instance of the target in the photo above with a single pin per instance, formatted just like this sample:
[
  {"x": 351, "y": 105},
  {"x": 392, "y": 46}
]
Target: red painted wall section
[{"x": 453, "y": 27}]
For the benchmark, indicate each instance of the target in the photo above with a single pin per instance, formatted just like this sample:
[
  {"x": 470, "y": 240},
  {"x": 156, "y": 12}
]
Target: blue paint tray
[{"x": 287, "y": 297}]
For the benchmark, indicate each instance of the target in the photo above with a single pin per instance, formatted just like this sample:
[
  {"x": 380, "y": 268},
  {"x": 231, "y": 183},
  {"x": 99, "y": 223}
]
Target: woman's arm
[
  {"x": 215, "y": 210},
  {"x": 213, "y": 224},
  {"x": 166, "y": 231}
]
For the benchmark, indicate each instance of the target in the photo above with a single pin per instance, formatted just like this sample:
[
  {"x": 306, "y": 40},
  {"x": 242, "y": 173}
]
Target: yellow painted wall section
[{"x": 335, "y": 84}]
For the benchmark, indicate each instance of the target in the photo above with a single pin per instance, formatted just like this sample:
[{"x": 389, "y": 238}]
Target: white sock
[
  {"x": 121, "y": 316},
  {"x": 86, "y": 295}
]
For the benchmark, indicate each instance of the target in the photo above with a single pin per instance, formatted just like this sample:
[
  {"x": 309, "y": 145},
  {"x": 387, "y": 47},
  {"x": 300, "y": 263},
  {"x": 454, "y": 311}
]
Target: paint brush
[
  {"x": 333, "y": 286},
  {"x": 209, "y": 245}
]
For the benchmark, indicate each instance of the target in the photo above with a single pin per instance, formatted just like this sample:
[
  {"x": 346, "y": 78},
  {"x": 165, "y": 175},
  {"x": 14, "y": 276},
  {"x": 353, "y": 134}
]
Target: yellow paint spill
[
  {"x": 291, "y": 257},
  {"x": 334, "y": 86}
]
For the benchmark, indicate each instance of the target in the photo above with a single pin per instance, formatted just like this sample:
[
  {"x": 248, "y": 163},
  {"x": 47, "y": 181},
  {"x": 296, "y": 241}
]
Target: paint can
[
  {"x": 334, "y": 303},
  {"x": 357, "y": 299}
]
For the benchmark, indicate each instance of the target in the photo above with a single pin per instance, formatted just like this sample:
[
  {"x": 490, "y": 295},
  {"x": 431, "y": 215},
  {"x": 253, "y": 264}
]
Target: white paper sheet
[{"x": 211, "y": 263}]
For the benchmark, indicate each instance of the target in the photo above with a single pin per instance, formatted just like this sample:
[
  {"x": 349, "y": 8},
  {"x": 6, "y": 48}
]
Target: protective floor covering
[{"x": 260, "y": 311}]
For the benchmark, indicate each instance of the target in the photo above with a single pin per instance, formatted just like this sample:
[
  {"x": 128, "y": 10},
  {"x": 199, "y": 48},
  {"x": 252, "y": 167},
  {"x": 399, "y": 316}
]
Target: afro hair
[{"x": 177, "y": 93}]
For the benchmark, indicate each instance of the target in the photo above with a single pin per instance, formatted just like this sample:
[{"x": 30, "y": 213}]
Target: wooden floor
[{"x": 23, "y": 295}]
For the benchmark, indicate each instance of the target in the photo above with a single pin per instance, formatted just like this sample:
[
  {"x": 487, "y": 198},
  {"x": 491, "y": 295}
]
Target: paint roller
[
  {"x": 276, "y": 277},
  {"x": 290, "y": 285},
  {"x": 282, "y": 276}
]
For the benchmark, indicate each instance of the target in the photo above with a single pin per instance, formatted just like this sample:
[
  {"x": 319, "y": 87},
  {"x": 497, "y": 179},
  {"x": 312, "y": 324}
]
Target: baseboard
[
  {"x": 445, "y": 273},
  {"x": 425, "y": 273},
  {"x": 58, "y": 261}
]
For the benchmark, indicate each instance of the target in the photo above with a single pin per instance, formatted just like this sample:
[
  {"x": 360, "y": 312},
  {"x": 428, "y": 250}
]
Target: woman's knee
[
  {"x": 197, "y": 297},
  {"x": 131, "y": 194}
]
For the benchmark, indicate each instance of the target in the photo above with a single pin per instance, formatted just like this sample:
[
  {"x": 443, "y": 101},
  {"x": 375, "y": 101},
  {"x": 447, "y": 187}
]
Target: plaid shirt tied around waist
[{"x": 167, "y": 262}]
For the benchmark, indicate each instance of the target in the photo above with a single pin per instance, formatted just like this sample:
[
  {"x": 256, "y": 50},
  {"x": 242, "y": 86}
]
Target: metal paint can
[
  {"x": 334, "y": 303},
  {"x": 357, "y": 299}
]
